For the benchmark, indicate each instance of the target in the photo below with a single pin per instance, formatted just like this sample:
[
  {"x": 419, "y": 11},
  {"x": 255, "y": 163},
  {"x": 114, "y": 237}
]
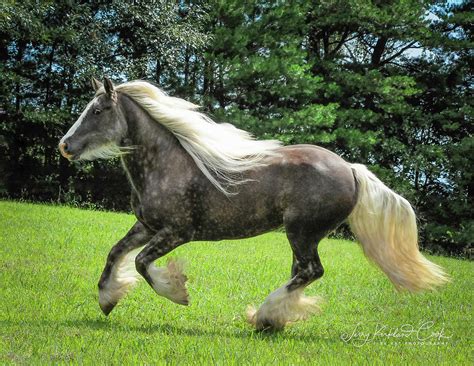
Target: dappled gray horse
[{"x": 194, "y": 179}]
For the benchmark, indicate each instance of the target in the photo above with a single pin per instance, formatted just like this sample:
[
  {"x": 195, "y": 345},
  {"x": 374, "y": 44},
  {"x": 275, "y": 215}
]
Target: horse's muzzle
[{"x": 63, "y": 149}]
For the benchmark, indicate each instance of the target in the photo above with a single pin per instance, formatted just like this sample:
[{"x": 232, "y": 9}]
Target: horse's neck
[{"x": 153, "y": 147}]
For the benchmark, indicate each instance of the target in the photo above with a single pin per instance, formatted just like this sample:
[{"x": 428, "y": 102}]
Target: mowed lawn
[{"x": 52, "y": 257}]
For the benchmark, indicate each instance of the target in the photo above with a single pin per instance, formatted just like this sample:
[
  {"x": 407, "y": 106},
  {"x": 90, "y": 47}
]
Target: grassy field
[{"x": 51, "y": 259}]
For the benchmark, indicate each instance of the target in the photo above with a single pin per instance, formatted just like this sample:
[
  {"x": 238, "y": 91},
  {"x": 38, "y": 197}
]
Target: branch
[
  {"x": 340, "y": 43},
  {"x": 351, "y": 54},
  {"x": 403, "y": 49}
]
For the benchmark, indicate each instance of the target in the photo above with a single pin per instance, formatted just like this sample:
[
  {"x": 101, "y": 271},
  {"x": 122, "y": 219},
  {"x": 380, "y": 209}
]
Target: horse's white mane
[{"x": 221, "y": 151}]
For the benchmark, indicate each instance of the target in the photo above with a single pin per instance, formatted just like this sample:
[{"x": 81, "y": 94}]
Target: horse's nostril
[{"x": 64, "y": 149}]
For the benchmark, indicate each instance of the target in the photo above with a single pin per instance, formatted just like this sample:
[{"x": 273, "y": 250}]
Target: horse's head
[{"x": 100, "y": 128}]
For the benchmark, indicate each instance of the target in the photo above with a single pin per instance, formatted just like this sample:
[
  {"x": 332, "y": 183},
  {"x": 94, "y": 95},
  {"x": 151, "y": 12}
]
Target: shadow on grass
[{"x": 220, "y": 330}]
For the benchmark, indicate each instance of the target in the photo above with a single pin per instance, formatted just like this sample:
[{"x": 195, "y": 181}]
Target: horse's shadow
[
  {"x": 177, "y": 330},
  {"x": 219, "y": 331}
]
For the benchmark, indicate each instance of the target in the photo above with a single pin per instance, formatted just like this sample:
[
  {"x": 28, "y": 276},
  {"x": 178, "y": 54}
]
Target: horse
[{"x": 194, "y": 179}]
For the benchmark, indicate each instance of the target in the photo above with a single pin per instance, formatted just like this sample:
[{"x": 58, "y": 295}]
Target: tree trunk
[
  {"x": 379, "y": 49},
  {"x": 158, "y": 71},
  {"x": 186, "y": 66},
  {"x": 48, "y": 76},
  {"x": 19, "y": 58}
]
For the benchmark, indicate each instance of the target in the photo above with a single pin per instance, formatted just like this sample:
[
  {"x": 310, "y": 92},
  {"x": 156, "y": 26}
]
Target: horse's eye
[{"x": 97, "y": 111}]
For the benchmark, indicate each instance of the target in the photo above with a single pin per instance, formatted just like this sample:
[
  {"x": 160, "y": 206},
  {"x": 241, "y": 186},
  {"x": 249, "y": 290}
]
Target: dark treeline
[{"x": 384, "y": 83}]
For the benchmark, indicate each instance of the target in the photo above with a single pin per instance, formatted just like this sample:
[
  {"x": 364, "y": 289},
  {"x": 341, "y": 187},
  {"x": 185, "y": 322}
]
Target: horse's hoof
[
  {"x": 184, "y": 302},
  {"x": 181, "y": 300},
  {"x": 266, "y": 326},
  {"x": 107, "y": 308}
]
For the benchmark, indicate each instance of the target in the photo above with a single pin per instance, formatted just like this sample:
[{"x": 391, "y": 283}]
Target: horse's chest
[{"x": 158, "y": 209}]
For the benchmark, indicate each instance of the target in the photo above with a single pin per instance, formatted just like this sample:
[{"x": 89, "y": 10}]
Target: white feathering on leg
[
  {"x": 282, "y": 307},
  {"x": 123, "y": 277},
  {"x": 170, "y": 281}
]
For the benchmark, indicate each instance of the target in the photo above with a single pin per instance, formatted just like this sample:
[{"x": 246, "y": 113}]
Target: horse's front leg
[
  {"x": 167, "y": 281},
  {"x": 119, "y": 273}
]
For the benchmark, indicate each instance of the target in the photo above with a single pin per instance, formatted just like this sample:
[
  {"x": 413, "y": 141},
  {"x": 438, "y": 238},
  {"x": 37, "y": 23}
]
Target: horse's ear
[
  {"x": 96, "y": 84},
  {"x": 109, "y": 86}
]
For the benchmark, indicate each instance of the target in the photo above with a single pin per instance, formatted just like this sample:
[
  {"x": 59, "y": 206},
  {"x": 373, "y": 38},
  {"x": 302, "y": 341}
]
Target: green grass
[{"x": 51, "y": 259}]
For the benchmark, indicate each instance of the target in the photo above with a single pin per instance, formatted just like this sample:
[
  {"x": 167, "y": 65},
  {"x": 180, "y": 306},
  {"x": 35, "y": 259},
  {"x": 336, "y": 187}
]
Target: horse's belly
[
  {"x": 240, "y": 217},
  {"x": 236, "y": 229}
]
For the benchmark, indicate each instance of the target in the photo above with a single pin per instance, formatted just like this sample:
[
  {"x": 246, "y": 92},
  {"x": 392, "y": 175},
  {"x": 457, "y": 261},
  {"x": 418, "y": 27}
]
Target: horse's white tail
[{"x": 385, "y": 225}]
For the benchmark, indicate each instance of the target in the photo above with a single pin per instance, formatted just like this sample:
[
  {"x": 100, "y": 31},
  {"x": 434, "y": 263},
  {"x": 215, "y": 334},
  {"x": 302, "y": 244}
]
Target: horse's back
[{"x": 314, "y": 155}]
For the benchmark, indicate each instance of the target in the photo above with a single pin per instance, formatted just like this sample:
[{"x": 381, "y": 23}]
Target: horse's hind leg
[
  {"x": 119, "y": 273},
  {"x": 288, "y": 303}
]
